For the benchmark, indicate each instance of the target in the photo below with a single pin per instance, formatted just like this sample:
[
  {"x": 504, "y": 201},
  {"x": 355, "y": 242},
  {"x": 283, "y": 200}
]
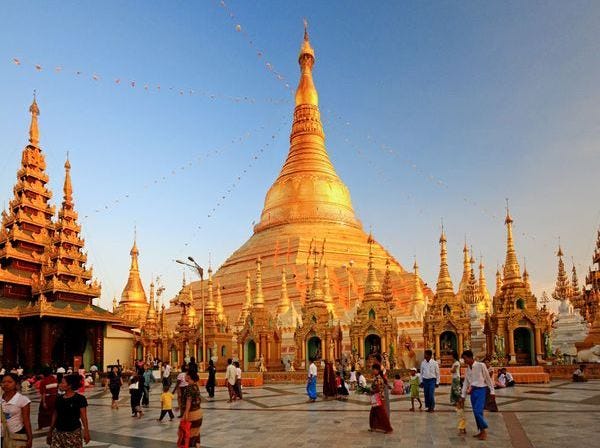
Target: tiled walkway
[{"x": 558, "y": 414}]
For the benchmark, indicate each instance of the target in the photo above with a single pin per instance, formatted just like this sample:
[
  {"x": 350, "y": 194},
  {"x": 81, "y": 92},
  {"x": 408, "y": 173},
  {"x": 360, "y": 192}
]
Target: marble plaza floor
[{"x": 559, "y": 414}]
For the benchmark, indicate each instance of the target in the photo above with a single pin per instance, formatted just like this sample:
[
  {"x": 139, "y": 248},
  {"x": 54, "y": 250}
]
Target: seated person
[
  {"x": 398, "y": 387},
  {"x": 505, "y": 379},
  {"x": 579, "y": 376}
]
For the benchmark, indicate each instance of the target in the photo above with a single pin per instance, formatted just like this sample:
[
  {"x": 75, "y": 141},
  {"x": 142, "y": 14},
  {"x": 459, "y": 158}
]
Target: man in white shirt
[
  {"x": 231, "y": 378},
  {"x": 477, "y": 382},
  {"x": 430, "y": 379},
  {"x": 166, "y": 374}
]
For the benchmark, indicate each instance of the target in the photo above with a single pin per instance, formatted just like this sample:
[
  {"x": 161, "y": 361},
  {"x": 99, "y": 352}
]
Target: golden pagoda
[
  {"x": 46, "y": 289},
  {"x": 133, "y": 306},
  {"x": 516, "y": 329},
  {"x": 308, "y": 201}
]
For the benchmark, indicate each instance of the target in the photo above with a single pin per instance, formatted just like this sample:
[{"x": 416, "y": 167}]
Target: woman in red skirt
[{"x": 378, "y": 417}]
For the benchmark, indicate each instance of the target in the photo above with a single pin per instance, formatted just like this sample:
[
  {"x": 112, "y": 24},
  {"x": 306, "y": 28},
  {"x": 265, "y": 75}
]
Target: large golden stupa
[{"x": 308, "y": 202}]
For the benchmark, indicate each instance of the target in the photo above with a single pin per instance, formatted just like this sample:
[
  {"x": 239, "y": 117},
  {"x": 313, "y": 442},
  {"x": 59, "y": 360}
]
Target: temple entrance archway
[
  {"x": 523, "y": 346},
  {"x": 372, "y": 345},
  {"x": 313, "y": 348},
  {"x": 249, "y": 353}
]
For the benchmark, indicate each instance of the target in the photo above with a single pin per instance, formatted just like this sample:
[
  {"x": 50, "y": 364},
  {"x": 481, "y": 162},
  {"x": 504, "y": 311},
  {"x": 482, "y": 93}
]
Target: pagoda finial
[
  {"x": 134, "y": 252},
  {"x": 512, "y": 271},
  {"x": 34, "y": 132},
  {"x": 444, "y": 282},
  {"x": 259, "y": 298},
  {"x": 68, "y": 187},
  {"x": 306, "y": 92}
]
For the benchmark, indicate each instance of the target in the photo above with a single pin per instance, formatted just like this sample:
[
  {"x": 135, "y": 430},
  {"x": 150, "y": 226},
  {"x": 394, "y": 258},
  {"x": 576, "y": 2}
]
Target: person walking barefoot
[{"x": 477, "y": 383}]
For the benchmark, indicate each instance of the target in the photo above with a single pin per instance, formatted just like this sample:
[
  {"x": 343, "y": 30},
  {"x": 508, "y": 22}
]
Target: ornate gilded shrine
[
  {"x": 308, "y": 201},
  {"x": 373, "y": 330},
  {"x": 46, "y": 289},
  {"x": 259, "y": 337},
  {"x": 446, "y": 325},
  {"x": 516, "y": 329}
]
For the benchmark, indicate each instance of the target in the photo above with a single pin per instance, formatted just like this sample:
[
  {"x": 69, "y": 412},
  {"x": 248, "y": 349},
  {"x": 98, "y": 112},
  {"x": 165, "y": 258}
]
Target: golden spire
[
  {"x": 151, "y": 315},
  {"x": 307, "y": 189},
  {"x": 372, "y": 286},
  {"x": 483, "y": 289},
  {"x": 386, "y": 286},
  {"x": 444, "y": 283},
  {"x": 498, "y": 282},
  {"x": 466, "y": 275},
  {"x": 134, "y": 290},
  {"x": 316, "y": 293},
  {"x": 471, "y": 294},
  {"x": 259, "y": 298},
  {"x": 306, "y": 92},
  {"x": 247, "y": 302},
  {"x": 418, "y": 294},
  {"x": 561, "y": 290},
  {"x": 68, "y": 187},
  {"x": 34, "y": 132},
  {"x": 210, "y": 302},
  {"x": 284, "y": 299},
  {"x": 512, "y": 271},
  {"x": 327, "y": 289},
  {"x": 526, "y": 276},
  {"x": 114, "y": 304},
  {"x": 220, "y": 309}
]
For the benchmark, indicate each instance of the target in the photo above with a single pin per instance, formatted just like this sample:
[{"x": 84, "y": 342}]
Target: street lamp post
[
  {"x": 350, "y": 264},
  {"x": 200, "y": 272}
]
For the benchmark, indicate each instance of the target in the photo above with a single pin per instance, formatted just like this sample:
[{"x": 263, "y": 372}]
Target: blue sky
[{"x": 494, "y": 100}]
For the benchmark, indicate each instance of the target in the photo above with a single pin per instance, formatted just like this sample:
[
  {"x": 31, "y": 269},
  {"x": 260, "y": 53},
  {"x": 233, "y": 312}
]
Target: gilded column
[
  {"x": 511, "y": 346},
  {"x": 437, "y": 347},
  {"x": 538, "y": 345},
  {"x": 461, "y": 342}
]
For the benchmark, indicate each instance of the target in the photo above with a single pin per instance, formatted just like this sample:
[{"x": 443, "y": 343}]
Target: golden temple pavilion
[
  {"x": 516, "y": 329},
  {"x": 46, "y": 288},
  {"x": 309, "y": 202}
]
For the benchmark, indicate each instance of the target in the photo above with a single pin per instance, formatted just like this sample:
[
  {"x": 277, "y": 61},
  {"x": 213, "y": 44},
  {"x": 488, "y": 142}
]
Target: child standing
[
  {"x": 166, "y": 404},
  {"x": 414, "y": 389},
  {"x": 460, "y": 416}
]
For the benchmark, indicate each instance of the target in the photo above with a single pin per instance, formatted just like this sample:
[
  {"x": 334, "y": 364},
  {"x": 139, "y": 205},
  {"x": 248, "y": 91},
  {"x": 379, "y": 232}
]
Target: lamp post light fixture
[{"x": 200, "y": 272}]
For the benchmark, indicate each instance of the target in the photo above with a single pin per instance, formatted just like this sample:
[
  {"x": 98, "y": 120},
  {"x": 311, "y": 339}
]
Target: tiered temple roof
[{"x": 42, "y": 262}]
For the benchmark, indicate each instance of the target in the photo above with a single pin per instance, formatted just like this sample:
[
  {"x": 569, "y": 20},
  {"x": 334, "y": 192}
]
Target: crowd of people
[
  {"x": 63, "y": 406},
  {"x": 478, "y": 382}
]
